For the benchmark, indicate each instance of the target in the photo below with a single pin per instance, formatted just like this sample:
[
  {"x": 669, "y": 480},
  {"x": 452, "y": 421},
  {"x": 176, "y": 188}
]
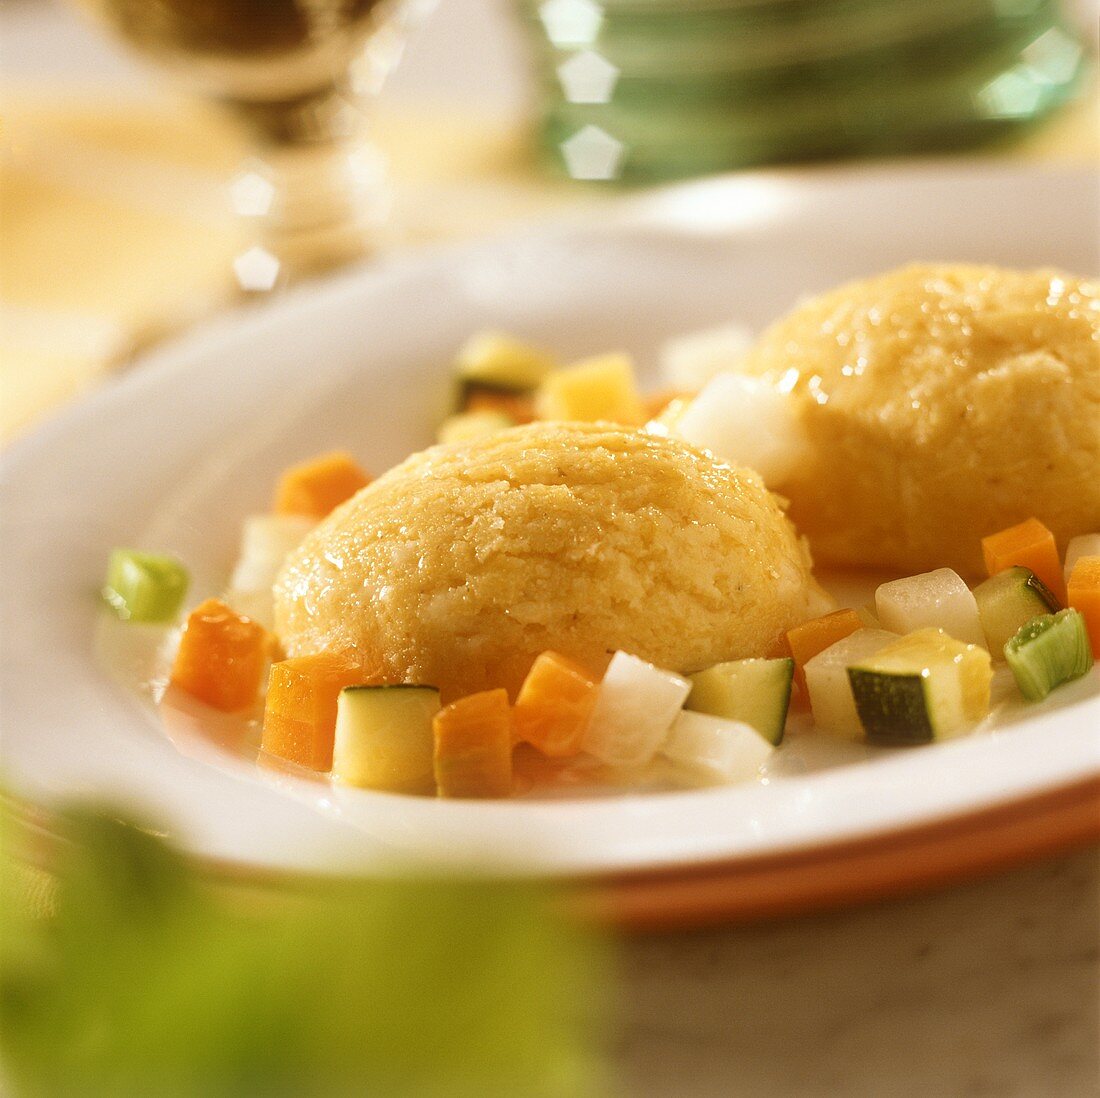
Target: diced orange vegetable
[
  {"x": 317, "y": 486},
  {"x": 300, "y": 714},
  {"x": 473, "y": 746},
  {"x": 553, "y": 705},
  {"x": 1083, "y": 594},
  {"x": 221, "y": 657},
  {"x": 814, "y": 636},
  {"x": 520, "y": 406},
  {"x": 1031, "y": 545}
]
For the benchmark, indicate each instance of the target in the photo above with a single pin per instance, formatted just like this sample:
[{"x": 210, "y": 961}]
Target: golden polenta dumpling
[
  {"x": 941, "y": 404},
  {"x": 462, "y": 564}
]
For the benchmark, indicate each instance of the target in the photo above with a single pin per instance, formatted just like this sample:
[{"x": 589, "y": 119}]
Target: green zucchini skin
[{"x": 893, "y": 709}]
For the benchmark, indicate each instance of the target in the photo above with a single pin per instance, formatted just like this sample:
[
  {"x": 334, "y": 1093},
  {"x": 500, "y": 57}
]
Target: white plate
[{"x": 174, "y": 454}]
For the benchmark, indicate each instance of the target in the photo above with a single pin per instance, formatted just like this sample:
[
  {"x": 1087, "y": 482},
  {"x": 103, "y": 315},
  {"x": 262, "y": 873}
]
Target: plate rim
[{"x": 633, "y": 212}]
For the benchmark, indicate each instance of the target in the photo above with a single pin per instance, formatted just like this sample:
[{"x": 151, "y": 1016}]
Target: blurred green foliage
[{"x": 147, "y": 979}]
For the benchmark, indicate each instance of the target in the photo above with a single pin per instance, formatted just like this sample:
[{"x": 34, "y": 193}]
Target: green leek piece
[
  {"x": 145, "y": 587},
  {"x": 1048, "y": 651}
]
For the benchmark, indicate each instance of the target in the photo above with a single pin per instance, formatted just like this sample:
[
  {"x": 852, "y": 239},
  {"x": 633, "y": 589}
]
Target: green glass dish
[{"x": 695, "y": 100}]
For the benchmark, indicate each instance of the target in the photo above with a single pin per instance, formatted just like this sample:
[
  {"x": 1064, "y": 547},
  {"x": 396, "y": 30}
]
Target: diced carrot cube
[
  {"x": 811, "y": 637},
  {"x": 473, "y": 746},
  {"x": 317, "y": 486},
  {"x": 1083, "y": 594},
  {"x": 221, "y": 657},
  {"x": 1031, "y": 545},
  {"x": 300, "y": 714},
  {"x": 554, "y": 704}
]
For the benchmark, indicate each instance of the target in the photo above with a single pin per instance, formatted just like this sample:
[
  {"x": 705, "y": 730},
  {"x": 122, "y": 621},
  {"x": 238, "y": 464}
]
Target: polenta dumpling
[
  {"x": 461, "y": 565},
  {"x": 942, "y": 403}
]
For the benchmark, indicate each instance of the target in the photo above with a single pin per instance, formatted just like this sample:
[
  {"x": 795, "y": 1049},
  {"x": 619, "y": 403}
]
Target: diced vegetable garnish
[
  {"x": 936, "y": 600},
  {"x": 754, "y": 692},
  {"x": 1083, "y": 594},
  {"x": 501, "y": 361},
  {"x": 554, "y": 705},
  {"x": 594, "y": 389},
  {"x": 473, "y": 746},
  {"x": 1049, "y": 651},
  {"x": 665, "y": 421},
  {"x": 657, "y": 404},
  {"x": 868, "y": 617},
  {"x": 747, "y": 421},
  {"x": 470, "y": 426},
  {"x": 317, "y": 486},
  {"x": 145, "y": 587},
  {"x": 221, "y": 657},
  {"x": 635, "y": 708},
  {"x": 300, "y": 712},
  {"x": 1085, "y": 545},
  {"x": 725, "y": 751},
  {"x": 1008, "y": 600},
  {"x": 926, "y": 686},
  {"x": 265, "y": 542},
  {"x": 499, "y": 374},
  {"x": 830, "y": 691},
  {"x": 1031, "y": 545},
  {"x": 384, "y": 738},
  {"x": 689, "y": 361},
  {"x": 806, "y": 640}
]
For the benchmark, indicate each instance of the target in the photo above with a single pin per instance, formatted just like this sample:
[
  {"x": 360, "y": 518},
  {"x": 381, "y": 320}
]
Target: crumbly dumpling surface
[
  {"x": 459, "y": 566},
  {"x": 942, "y": 403}
]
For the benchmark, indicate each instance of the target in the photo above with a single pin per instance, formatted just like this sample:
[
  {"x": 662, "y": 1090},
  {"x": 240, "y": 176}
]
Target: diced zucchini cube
[
  {"x": 499, "y": 361},
  {"x": 1008, "y": 600},
  {"x": 1048, "y": 651},
  {"x": 746, "y": 421},
  {"x": 926, "y": 686},
  {"x": 384, "y": 738},
  {"x": 831, "y": 699},
  {"x": 635, "y": 708},
  {"x": 145, "y": 587},
  {"x": 755, "y": 692},
  {"x": 601, "y": 388},
  {"x": 724, "y": 751},
  {"x": 932, "y": 600}
]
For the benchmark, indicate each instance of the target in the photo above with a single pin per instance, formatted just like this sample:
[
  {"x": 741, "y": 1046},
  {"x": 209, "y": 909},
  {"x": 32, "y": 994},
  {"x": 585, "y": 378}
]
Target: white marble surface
[{"x": 990, "y": 989}]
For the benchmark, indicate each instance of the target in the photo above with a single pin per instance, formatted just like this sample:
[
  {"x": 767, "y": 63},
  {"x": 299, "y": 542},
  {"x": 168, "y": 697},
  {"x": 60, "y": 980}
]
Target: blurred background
[
  {"x": 164, "y": 157},
  {"x": 161, "y": 160}
]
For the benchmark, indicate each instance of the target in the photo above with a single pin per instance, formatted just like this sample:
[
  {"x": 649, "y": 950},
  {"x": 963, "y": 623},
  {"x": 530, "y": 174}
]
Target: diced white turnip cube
[
  {"x": 746, "y": 421},
  {"x": 635, "y": 707},
  {"x": 265, "y": 542},
  {"x": 723, "y": 750},
  {"x": 1084, "y": 545},
  {"x": 689, "y": 361},
  {"x": 831, "y": 699},
  {"x": 932, "y": 600}
]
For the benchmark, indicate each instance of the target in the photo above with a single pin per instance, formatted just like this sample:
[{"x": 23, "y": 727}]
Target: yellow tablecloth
[{"x": 114, "y": 226}]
